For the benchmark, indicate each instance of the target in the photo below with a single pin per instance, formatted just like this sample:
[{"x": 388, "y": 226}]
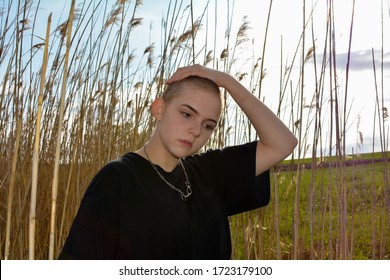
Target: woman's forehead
[{"x": 200, "y": 99}]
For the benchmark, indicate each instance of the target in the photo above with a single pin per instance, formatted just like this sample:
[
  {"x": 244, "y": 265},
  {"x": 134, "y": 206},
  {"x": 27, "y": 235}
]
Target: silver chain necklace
[{"x": 187, "y": 182}]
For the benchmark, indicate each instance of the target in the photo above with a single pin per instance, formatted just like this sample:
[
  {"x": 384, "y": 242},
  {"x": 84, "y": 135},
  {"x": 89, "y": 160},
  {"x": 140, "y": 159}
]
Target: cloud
[{"x": 360, "y": 60}]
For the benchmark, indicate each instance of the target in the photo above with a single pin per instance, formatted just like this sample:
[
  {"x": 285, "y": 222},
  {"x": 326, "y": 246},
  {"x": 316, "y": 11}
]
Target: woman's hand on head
[{"x": 276, "y": 140}]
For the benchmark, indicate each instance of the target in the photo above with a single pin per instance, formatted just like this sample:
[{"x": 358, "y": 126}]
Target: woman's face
[{"x": 186, "y": 122}]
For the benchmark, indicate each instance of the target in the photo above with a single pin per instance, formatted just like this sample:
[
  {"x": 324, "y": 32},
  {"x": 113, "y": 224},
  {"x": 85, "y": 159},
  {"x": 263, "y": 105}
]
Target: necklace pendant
[
  {"x": 187, "y": 182},
  {"x": 188, "y": 190}
]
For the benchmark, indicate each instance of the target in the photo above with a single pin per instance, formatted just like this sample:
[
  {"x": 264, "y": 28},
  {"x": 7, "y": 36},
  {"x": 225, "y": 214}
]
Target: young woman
[{"x": 166, "y": 201}]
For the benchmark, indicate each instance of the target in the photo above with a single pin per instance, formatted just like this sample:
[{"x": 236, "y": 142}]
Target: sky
[{"x": 286, "y": 24}]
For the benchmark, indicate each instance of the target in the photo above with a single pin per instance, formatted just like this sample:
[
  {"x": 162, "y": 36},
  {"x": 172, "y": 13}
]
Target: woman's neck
[{"x": 154, "y": 151}]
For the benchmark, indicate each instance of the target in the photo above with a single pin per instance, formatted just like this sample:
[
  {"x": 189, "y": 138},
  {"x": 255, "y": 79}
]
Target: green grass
[
  {"x": 363, "y": 156},
  {"x": 319, "y": 226}
]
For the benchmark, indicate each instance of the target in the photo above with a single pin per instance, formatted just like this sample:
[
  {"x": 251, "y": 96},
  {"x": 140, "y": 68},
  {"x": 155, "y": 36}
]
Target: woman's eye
[
  {"x": 185, "y": 115},
  {"x": 208, "y": 127}
]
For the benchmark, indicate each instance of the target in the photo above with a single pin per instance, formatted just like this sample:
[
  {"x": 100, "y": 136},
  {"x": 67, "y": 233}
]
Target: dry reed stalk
[
  {"x": 317, "y": 143},
  {"x": 66, "y": 196},
  {"x": 19, "y": 121},
  {"x": 76, "y": 160},
  {"x": 297, "y": 198},
  {"x": 192, "y": 32},
  {"x": 321, "y": 85},
  {"x": 330, "y": 47},
  {"x": 59, "y": 134},
  {"x": 264, "y": 45},
  {"x": 347, "y": 252},
  {"x": 277, "y": 218},
  {"x": 34, "y": 182},
  {"x": 382, "y": 138},
  {"x": 11, "y": 188},
  {"x": 373, "y": 200}
]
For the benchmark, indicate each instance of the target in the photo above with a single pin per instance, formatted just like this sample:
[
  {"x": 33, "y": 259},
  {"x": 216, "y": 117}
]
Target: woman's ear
[{"x": 158, "y": 106}]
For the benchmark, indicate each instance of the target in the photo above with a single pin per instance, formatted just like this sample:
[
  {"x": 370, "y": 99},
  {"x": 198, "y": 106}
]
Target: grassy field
[
  {"x": 320, "y": 219},
  {"x": 76, "y": 94}
]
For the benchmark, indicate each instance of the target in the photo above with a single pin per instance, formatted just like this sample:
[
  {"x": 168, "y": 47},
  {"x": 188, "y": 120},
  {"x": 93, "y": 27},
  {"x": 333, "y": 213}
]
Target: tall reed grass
[{"x": 76, "y": 97}]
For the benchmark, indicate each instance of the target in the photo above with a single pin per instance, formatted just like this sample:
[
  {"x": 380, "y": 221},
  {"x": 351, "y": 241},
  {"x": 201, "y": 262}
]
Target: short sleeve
[
  {"x": 93, "y": 234},
  {"x": 235, "y": 172}
]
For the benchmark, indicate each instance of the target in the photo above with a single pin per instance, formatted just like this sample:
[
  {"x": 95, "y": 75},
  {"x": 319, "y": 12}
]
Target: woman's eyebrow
[{"x": 196, "y": 112}]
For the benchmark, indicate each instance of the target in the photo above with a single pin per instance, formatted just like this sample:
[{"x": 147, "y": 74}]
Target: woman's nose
[{"x": 195, "y": 130}]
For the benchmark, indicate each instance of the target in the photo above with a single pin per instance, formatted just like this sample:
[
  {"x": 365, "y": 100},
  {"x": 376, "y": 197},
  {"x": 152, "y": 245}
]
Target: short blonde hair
[{"x": 175, "y": 88}]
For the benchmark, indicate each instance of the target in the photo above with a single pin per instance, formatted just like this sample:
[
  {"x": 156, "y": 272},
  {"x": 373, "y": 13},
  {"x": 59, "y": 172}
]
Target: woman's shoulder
[
  {"x": 123, "y": 161},
  {"x": 116, "y": 171}
]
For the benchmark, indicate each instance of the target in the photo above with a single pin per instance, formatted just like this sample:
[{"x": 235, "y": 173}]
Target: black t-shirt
[{"x": 129, "y": 212}]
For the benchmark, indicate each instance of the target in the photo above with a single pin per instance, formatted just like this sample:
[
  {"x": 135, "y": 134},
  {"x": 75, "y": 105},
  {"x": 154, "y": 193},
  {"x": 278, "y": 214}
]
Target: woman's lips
[{"x": 186, "y": 143}]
